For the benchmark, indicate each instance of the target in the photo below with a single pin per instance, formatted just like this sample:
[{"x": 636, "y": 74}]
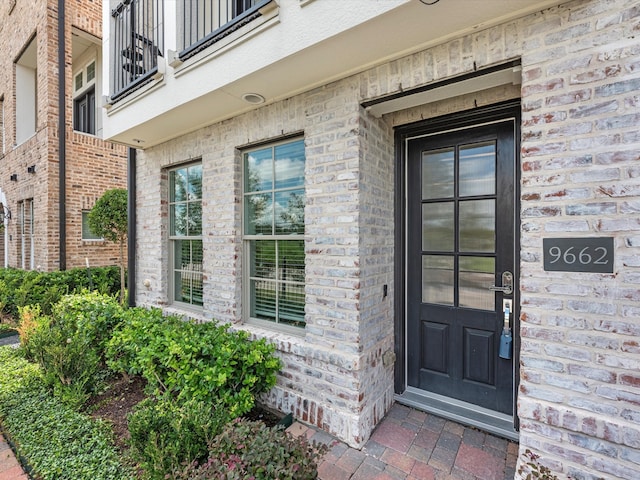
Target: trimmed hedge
[
  {"x": 28, "y": 287},
  {"x": 58, "y": 442}
]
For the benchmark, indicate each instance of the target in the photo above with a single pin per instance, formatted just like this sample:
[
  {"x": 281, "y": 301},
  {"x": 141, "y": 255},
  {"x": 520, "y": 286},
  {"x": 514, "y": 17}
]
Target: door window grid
[
  {"x": 185, "y": 234},
  {"x": 458, "y": 225},
  {"x": 274, "y": 202}
]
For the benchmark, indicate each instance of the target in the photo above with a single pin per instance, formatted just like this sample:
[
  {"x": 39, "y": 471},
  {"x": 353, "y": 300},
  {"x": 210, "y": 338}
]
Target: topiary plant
[{"x": 108, "y": 219}]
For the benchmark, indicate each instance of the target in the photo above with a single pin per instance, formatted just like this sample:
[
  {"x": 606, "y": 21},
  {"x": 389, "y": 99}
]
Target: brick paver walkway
[
  {"x": 10, "y": 469},
  {"x": 406, "y": 445},
  {"x": 412, "y": 445}
]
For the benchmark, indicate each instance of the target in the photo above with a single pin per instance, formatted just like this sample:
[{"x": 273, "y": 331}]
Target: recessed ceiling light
[{"x": 254, "y": 98}]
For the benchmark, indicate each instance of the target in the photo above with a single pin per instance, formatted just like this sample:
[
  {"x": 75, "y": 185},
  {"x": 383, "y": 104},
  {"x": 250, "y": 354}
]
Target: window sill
[{"x": 188, "y": 312}]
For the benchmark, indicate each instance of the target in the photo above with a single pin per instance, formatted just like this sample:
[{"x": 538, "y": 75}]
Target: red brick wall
[{"x": 92, "y": 166}]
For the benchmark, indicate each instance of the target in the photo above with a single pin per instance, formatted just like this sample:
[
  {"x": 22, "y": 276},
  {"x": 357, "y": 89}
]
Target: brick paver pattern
[{"x": 412, "y": 445}]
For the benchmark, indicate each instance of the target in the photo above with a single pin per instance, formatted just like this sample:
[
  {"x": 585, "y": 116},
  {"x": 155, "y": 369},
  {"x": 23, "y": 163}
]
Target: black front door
[{"x": 460, "y": 249}]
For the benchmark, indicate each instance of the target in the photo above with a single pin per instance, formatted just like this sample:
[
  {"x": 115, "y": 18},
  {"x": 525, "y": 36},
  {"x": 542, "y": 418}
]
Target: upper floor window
[
  {"x": 274, "y": 201},
  {"x": 84, "y": 99},
  {"x": 185, "y": 233},
  {"x": 137, "y": 36},
  {"x": 204, "y": 21},
  {"x": 26, "y": 93}
]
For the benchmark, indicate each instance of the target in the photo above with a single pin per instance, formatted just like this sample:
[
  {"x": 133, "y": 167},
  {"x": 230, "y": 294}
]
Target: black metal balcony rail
[
  {"x": 138, "y": 39},
  {"x": 204, "y": 22}
]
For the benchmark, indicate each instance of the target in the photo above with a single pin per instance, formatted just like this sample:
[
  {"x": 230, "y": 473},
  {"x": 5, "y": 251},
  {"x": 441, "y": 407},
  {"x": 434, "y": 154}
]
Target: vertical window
[
  {"x": 26, "y": 237},
  {"x": 26, "y": 94},
  {"x": 84, "y": 99},
  {"x": 185, "y": 233},
  {"x": 2, "y": 133},
  {"x": 87, "y": 234},
  {"x": 273, "y": 235}
]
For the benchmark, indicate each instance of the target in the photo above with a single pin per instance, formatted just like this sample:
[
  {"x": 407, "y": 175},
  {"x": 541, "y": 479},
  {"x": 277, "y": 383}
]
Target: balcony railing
[
  {"x": 138, "y": 40},
  {"x": 204, "y": 22}
]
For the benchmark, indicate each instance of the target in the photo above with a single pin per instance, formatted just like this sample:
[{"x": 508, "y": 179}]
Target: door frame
[{"x": 501, "y": 111}]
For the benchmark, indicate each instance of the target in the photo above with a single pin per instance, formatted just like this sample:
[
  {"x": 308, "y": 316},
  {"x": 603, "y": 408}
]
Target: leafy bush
[
  {"x": 69, "y": 344},
  {"x": 249, "y": 449},
  {"x": 531, "y": 469},
  {"x": 57, "y": 442},
  {"x": 21, "y": 287},
  {"x": 166, "y": 435},
  {"x": 199, "y": 361}
]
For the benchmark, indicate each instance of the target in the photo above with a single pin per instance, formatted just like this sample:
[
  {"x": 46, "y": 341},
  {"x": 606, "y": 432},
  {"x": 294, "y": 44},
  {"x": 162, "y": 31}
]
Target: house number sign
[{"x": 594, "y": 255}]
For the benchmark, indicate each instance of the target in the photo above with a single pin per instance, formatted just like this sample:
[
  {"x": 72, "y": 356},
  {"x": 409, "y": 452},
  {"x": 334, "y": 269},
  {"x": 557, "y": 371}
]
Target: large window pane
[
  {"x": 291, "y": 261},
  {"x": 438, "y": 226},
  {"x": 478, "y": 226},
  {"x": 289, "y": 165},
  {"x": 178, "y": 215},
  {"x": 478, "y": 169},
  {"x": 289, "y": 212},
  {"x": 188, "y": 271},
  {"x": 438, "y": 174},
  {"x": 263, "y": 256},
  {"x": 274, "y": 202},
  {"x": 258, "y": 173},
  {"x": 476, "y": 276},
  {"x": 437, "y": 279},
  {"x": 178, "y": 185},
  {"x": 258, "y": 218}
]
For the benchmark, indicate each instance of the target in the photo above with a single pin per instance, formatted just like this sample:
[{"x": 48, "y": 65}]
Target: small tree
[{"x": 108, "y": 219}]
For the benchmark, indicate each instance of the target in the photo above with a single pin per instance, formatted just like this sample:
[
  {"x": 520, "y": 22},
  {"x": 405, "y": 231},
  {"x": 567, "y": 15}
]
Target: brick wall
[
  {"x": 579, "y": 394},
  {"x": 93, "y": 166}
]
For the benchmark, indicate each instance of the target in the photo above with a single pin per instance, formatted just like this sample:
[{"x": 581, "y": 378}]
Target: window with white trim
[
  {"x": 185, "y": 233},
  {"x": 273, "y": 233},
  {"x": 84, "y": 99}
]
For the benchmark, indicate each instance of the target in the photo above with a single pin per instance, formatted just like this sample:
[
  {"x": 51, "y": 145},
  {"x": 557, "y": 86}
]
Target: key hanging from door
[{"x": 506, "y": 339}]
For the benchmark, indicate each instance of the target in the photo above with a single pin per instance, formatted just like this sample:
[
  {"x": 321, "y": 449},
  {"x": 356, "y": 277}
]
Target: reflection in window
[
  {"x": 274, "y": 202},
  {"x": 87, "y": 233},
  {"x": 185, "y": 233}
]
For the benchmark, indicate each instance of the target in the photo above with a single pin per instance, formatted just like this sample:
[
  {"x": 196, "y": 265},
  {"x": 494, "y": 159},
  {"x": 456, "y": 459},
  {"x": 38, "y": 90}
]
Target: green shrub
[
  {"x": 21, "y": 287},
  {"x": 69, "y": 344},
  {"x": 200, "y": 361},
  {"x": 166, "y": 435},
  {"x": 248, "y": 449},
  {"x": 57, "y": 442}
]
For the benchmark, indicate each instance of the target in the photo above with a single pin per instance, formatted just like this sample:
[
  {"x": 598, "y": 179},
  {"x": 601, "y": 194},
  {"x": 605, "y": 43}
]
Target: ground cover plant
[
  {"x": 58, "y": 442},
  {"x": 167, "y": 387}
]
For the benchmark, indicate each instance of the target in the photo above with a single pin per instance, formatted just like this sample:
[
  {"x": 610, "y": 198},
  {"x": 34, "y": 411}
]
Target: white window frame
[
  {"x": 247, "y": 238},
  {"x": 172, "y": 245}
]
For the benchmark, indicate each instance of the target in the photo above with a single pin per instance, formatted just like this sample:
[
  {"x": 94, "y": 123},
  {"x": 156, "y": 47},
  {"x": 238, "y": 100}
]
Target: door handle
[{"x": 507, "y": 284}]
